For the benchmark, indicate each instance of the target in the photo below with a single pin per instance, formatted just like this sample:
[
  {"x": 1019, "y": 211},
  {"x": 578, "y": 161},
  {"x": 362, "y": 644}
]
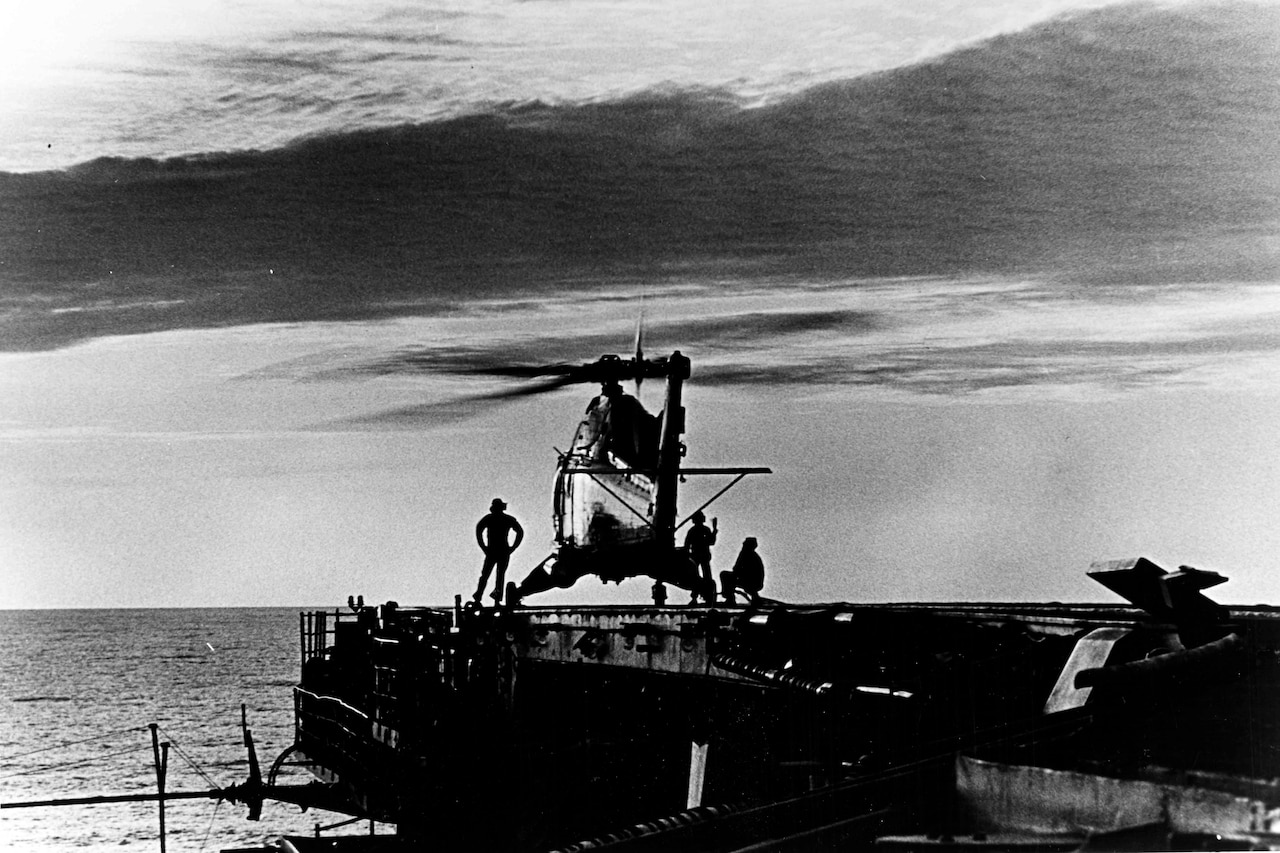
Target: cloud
[{"x": 1055, "y": 151}]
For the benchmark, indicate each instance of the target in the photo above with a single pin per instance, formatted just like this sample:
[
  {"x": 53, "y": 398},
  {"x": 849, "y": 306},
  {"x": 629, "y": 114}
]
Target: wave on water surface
[{"x": 1130, "y": 143}]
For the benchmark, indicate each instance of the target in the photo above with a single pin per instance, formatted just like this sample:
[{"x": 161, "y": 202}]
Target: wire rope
[
  {"x": 209, "y": 829},
  {"x": 77, "y": 763},
  {"x": 339, "y": 824},
  {"x": 194, "y": 766},
  {"x": 102, "y": 736}
]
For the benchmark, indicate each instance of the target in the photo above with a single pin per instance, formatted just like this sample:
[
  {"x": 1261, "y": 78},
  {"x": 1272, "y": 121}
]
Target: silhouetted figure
[
  {"x": 492, "y": 535},
  {"x": 604, "y": 528},
  {"x": 698, "y": 542},
  {"x": 747, "y": 574}
]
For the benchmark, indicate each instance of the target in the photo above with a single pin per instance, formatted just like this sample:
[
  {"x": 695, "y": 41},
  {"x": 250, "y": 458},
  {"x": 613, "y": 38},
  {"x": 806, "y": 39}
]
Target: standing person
[
  {"x": 747, "y": 574},
  {"x": 497, "y": 549},
  {"x": 698, "y": 542}
]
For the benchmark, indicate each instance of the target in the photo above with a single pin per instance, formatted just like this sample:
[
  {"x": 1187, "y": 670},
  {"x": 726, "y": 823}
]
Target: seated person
[{"x": 747, "y": 574}]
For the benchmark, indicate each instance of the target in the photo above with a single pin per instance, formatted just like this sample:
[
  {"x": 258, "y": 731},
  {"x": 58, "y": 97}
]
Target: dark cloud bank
[{"x": 1132, "y": 143}]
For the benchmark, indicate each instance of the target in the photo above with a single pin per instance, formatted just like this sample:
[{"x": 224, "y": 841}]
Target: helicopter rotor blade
[
  {"x": 449, "y": 409},
  {"x": 529, "y": 390},
  {"x": 606, "y": 369},
  {"x": 527, "y": 371},
  {"x": 550, "y": 377}
]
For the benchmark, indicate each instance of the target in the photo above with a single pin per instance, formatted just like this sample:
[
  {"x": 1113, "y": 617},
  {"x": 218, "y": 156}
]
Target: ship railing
[
  {"x": 395, "y": 665},
  {"x": 412, "y": 661},
  {"x": 318, "y": 631}
]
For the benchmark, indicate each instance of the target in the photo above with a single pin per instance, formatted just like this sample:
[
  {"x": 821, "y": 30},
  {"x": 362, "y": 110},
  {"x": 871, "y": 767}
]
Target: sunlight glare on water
[{"x": 94, "y": 680}]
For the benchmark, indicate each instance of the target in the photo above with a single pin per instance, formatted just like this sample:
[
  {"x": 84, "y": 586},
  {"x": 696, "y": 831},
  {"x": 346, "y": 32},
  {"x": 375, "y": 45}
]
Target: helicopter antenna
[{"x": 639, "y": 346}]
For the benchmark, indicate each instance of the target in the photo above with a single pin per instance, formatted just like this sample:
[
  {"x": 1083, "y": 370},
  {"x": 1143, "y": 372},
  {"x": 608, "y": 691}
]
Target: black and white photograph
[{"x": 638, "y": 425}]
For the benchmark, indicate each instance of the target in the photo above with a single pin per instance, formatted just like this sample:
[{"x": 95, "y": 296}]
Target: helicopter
[{"x": 615, "y": 510}]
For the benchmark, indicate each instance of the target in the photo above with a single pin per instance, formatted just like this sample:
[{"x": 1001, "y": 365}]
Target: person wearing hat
[
  {"x": 747, "y": 574},
  {"x": 493, "y": 533},
  {"x": 698, "y": 542}
]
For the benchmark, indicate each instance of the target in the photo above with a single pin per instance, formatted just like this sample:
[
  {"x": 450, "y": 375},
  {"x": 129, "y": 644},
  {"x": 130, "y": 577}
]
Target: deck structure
[{"x": 720, "y": 728}]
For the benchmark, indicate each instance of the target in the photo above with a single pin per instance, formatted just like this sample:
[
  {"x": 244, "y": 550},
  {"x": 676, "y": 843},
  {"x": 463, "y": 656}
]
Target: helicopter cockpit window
[{"x": 603, "y": 509}]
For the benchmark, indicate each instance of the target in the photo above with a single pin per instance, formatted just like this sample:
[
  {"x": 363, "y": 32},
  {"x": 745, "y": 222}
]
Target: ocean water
[{"x": 78, "y": 689}]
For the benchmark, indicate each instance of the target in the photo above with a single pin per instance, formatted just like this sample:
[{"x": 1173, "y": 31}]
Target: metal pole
[
  {"x": 708, "y": 503},
  {"x": 451, "y": 650},
  {"x": 215, "y": 794},
  {"x": 161, "y": 766},
  {"x": 164, "y": 776},
  {"x": 697, "y": 773},
  {"x": 668, "y": 478}
]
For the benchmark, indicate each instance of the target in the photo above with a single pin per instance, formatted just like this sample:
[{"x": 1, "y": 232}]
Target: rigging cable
[
  {"x": 76, "y": 763},
  {"x": 6, "y": 759},
  {"x": 189, "y": 760},
  {"x": 212, "y": 818}
]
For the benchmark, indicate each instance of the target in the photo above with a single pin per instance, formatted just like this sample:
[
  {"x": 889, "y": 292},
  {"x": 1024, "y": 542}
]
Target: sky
[{"x": 992, "y": 288}]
